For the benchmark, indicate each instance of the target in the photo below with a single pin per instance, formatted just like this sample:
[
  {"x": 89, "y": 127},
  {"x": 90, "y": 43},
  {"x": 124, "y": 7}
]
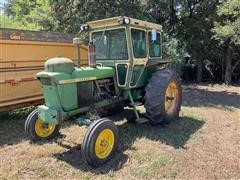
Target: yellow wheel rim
[
  {"x": 171, "y": 98},
  {"x": 104, "y": 143},
  {"x": 44, "y": 129}
]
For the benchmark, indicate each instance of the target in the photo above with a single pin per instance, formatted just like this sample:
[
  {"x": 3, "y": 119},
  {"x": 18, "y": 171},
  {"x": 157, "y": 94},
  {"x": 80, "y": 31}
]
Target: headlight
[
  {"x": 124, "y": 20},
  {"x": 84, "y": 27}
]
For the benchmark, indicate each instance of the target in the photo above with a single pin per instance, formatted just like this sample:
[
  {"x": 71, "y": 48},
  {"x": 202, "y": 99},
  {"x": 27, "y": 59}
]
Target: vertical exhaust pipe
[
  {"x": 92, "y": 54},
  {"x": 77, "y": 42}
]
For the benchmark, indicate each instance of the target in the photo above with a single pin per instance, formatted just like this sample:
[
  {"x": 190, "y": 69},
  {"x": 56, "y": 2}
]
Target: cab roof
[{"x": 115, "y": 21}]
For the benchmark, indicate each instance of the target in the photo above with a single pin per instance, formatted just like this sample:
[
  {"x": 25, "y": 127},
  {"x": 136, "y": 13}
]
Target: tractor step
[{"x": 141, "y": 120}]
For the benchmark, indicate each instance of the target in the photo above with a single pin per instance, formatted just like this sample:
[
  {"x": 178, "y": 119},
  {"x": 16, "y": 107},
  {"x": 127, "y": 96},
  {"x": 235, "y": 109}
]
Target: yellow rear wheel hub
[
  {"x": 171, "y": 98},
  {"x": 104, "y": 143},
  {"x": 43, "y": 129}
]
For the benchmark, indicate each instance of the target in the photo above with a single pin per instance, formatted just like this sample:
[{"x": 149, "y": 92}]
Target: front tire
[
  {"x": 37, "y": 130},
  {"x": 100, "y": 142},
  {"x": 163, "y": 97}
]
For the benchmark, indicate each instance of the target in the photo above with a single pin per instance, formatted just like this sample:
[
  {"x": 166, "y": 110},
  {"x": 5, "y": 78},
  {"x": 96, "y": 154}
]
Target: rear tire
[
  {"x": 37, "y": 130},
  {"x": 163, "y": 97},
  {"x": 100, "y": 142}
]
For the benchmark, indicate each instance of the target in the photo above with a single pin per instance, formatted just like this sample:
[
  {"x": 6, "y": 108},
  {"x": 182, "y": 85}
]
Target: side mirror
[{"x": 154, "y": 34}]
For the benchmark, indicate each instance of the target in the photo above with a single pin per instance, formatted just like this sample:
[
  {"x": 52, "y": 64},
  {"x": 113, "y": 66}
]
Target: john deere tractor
[{"x": 126, "y": 68}]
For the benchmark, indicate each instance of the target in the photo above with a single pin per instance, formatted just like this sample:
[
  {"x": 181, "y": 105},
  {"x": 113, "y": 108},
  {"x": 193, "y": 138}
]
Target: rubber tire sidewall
[
  {"x": 30, "y": 128},
  {"x": 88, "y": 145}
]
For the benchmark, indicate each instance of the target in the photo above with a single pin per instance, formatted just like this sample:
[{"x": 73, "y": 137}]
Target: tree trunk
[
  {"x": 228, "y": 71},
  {"x": 222, "y": 65},
  {"x": 173, "y": 13},
  {"x": 199, "y": 67}
]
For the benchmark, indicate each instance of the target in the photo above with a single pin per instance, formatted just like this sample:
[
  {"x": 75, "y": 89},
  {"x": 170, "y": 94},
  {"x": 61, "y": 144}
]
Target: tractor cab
[{"x": 129, "y": 45}]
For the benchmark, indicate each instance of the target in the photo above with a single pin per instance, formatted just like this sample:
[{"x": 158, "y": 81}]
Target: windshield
[{"x": 110, "y": 44}]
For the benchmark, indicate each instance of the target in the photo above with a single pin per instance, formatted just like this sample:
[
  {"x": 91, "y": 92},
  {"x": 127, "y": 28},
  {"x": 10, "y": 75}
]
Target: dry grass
[{"x": 203, "y": 143}]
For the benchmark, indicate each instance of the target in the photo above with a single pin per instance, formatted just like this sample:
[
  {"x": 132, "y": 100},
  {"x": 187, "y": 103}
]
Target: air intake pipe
[{"x": 77, "y": 42}]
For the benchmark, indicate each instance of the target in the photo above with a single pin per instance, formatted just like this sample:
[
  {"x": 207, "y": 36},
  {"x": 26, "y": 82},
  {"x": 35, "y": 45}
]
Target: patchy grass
[
  {"x": 226, "y": 108},
  {"x": 223, "y": 85},
  {"x": 203, "y": 143},
  {"x": 150, "y": 167}
]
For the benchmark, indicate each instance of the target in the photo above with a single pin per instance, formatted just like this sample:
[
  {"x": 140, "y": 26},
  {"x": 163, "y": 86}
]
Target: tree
[
  {"x": 206, "y": 30},
  {"x": 28, "y": 14},
  {"x": 68, "y": 18},
  {"x": 189, "y": 21},
  {"x": 227, "y": 32},
  {"x": 197, "y": 20}
]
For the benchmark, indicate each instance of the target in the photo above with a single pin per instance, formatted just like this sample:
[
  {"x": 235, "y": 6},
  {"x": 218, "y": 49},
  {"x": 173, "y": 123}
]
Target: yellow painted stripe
[{"x": 76, "y": 80}]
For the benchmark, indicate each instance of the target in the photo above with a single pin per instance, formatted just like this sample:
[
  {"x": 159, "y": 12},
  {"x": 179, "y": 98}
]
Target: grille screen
[{"x": 122, "y": 73}]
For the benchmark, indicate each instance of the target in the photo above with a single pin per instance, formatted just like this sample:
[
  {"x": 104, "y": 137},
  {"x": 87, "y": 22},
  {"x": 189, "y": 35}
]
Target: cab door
[{"x": 139, "y": 54}]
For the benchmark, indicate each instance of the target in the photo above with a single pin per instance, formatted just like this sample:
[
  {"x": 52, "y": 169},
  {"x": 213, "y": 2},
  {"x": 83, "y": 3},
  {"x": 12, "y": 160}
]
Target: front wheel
[
  {"x": 163, "y": 97},
  {"x": 36, "y": 129},
  {"x": 100, "y": 142}
]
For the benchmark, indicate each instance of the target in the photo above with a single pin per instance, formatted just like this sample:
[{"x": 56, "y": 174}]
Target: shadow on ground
[
  {"x": 12, "y": 126},
  {"x": 175, "y": 134},
  {"x": 12, "y": 123},
  {"x": 196, "y": 97}
]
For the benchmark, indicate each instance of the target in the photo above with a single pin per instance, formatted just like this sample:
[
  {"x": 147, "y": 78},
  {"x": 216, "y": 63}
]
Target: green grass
[{"x": 151, "y": 167}]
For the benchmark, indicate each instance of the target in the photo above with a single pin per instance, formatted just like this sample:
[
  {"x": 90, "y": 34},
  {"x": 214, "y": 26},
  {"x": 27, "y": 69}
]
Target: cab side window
[
  {"x": 139, "y": 43},
  {"x": 154, "y": 46}
]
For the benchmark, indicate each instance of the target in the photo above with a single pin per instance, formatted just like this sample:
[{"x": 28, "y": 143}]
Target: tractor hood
[
  {"x": 62, "y": 71},
  {"x": 63, "y": 85}
]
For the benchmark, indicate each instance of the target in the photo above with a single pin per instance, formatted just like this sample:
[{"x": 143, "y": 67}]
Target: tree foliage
[
  {"x": 28, "y": 14},
  {"x": 227, "y": 28},
  {"x": 227, "y": 33},
  {"x": 207, "y": 30}
]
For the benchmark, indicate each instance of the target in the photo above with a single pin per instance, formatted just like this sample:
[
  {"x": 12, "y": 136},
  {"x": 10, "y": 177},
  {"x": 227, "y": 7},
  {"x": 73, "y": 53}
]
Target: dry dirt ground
[{"x": 203, "y": 144}]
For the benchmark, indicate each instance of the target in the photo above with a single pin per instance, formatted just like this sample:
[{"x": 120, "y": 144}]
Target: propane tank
[{"x": 91, "y": 54}]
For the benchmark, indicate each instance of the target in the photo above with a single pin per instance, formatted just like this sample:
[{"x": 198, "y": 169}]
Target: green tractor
[{"x": 125, "y": 69}]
